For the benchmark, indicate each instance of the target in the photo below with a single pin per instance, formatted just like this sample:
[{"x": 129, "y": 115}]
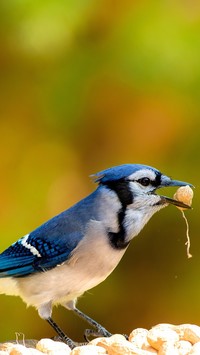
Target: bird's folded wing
[{"x": 35, "y": 253}]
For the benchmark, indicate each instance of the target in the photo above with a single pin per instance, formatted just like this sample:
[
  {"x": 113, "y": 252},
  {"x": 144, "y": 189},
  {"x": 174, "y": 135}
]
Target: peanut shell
[
  {"x": 184, "y": 194},
  {"x": 157, "y": 336},
  {"x": 88, "y": 350},
  {"x": 51, "y": 347}
]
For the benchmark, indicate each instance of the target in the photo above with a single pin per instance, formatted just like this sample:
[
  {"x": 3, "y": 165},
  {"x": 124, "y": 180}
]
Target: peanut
[
  {"x": 88, "y": 350},
  {"x": 52, "y": 347},
  {"x": 184, "y": 194},
  {"x": 159, "y": 335}
]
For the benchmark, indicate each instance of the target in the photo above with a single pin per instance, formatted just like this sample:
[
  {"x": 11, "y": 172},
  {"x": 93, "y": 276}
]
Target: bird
[{"x": 80, "y": 247}]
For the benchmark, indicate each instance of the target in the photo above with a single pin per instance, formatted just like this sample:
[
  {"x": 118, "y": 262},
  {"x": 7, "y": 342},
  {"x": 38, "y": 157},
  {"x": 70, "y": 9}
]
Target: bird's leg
[
  {"x": 61, "y": 334},
  {"x": 100, "y": 330}
]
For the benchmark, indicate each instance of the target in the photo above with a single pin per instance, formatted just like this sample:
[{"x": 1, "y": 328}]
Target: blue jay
[{"x": 80, "y": 247}]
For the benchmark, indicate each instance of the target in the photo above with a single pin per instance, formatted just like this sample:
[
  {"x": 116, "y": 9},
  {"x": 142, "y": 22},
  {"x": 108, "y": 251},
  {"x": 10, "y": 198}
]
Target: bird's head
[{"x": 136, "y": 185}]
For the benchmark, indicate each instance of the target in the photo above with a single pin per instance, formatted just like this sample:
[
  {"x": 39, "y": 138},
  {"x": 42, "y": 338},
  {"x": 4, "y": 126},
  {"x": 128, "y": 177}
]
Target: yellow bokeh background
[{"x": 85, "y": 85}]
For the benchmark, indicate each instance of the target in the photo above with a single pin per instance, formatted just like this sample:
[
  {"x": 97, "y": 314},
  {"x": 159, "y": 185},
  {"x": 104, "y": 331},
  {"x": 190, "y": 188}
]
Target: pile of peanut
[{"x": 162, "y": 339}]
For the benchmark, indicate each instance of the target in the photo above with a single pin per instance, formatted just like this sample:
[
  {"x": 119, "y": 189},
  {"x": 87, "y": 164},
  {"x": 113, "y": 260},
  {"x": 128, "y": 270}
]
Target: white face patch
[
  {"x": 138, "y": 188},
  {"x": 143, "y": 173},
  {"x": 30, "y": 247}
]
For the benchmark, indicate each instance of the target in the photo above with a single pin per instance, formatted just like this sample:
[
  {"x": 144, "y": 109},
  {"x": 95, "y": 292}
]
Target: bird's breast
[{"x": 90, "y": 263}]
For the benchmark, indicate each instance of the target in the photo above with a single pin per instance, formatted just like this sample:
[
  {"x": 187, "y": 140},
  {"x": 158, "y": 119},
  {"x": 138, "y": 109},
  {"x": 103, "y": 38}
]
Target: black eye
[{"x": 144, "y": 181}]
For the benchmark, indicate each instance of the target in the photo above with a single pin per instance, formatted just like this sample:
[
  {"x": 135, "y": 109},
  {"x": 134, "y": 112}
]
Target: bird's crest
[{"x": 118, "y": 172}]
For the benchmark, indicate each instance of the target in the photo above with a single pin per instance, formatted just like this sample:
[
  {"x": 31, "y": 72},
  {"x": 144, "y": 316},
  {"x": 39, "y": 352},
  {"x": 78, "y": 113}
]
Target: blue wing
[
  {"x": 34, "y": 253},
  {"x": 43, "y": 249},
  {"x": 49, "y": 245}
]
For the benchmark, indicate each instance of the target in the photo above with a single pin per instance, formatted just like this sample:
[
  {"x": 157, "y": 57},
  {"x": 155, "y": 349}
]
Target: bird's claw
[
  {"x": 72, "y": 343},
  {"x": 100, "y": 332}
]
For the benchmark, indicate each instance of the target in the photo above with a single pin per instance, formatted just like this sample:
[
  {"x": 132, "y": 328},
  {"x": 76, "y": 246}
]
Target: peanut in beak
[{"x": 184, "y": 194}]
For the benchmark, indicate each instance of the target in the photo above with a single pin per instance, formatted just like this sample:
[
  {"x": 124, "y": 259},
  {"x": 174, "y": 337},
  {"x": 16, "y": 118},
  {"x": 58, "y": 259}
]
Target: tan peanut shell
[
  {"x": 51, "y": 347},
  {"x": 184, "y": 194},
  {"x": 190, "y": 332},
  {"x": 156, "y": 337},
  {"x": 183, "y": 346},
  {"x": 195, "y": 349},
  {"x": 88, "y": 350}
]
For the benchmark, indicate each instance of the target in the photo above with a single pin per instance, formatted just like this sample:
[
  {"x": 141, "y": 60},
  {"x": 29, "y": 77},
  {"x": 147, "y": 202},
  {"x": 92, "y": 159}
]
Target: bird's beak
[
  {"x": 167, "y": 182},
  {"x": 168, "y": 200}
]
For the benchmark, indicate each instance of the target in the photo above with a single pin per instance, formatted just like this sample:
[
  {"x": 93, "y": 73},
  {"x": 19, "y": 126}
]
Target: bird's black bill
[{"x": 171, "y": 201}]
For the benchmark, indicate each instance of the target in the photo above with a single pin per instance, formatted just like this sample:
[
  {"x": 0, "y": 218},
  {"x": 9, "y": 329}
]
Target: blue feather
[
  {"x": 119, "y": 172},
  {"x": 52, "y": 242}
]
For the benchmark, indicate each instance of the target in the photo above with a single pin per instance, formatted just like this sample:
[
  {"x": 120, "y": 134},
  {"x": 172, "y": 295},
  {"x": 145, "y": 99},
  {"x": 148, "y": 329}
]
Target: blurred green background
[{"x": 86, "y": 85}]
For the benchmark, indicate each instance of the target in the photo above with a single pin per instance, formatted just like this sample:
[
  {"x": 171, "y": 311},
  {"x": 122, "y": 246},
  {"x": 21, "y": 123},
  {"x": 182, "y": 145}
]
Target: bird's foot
[
  {"x": 99, "y": 332},
  {"x": 72, "y": 344},
  {"x": 62, "y": 336}
]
